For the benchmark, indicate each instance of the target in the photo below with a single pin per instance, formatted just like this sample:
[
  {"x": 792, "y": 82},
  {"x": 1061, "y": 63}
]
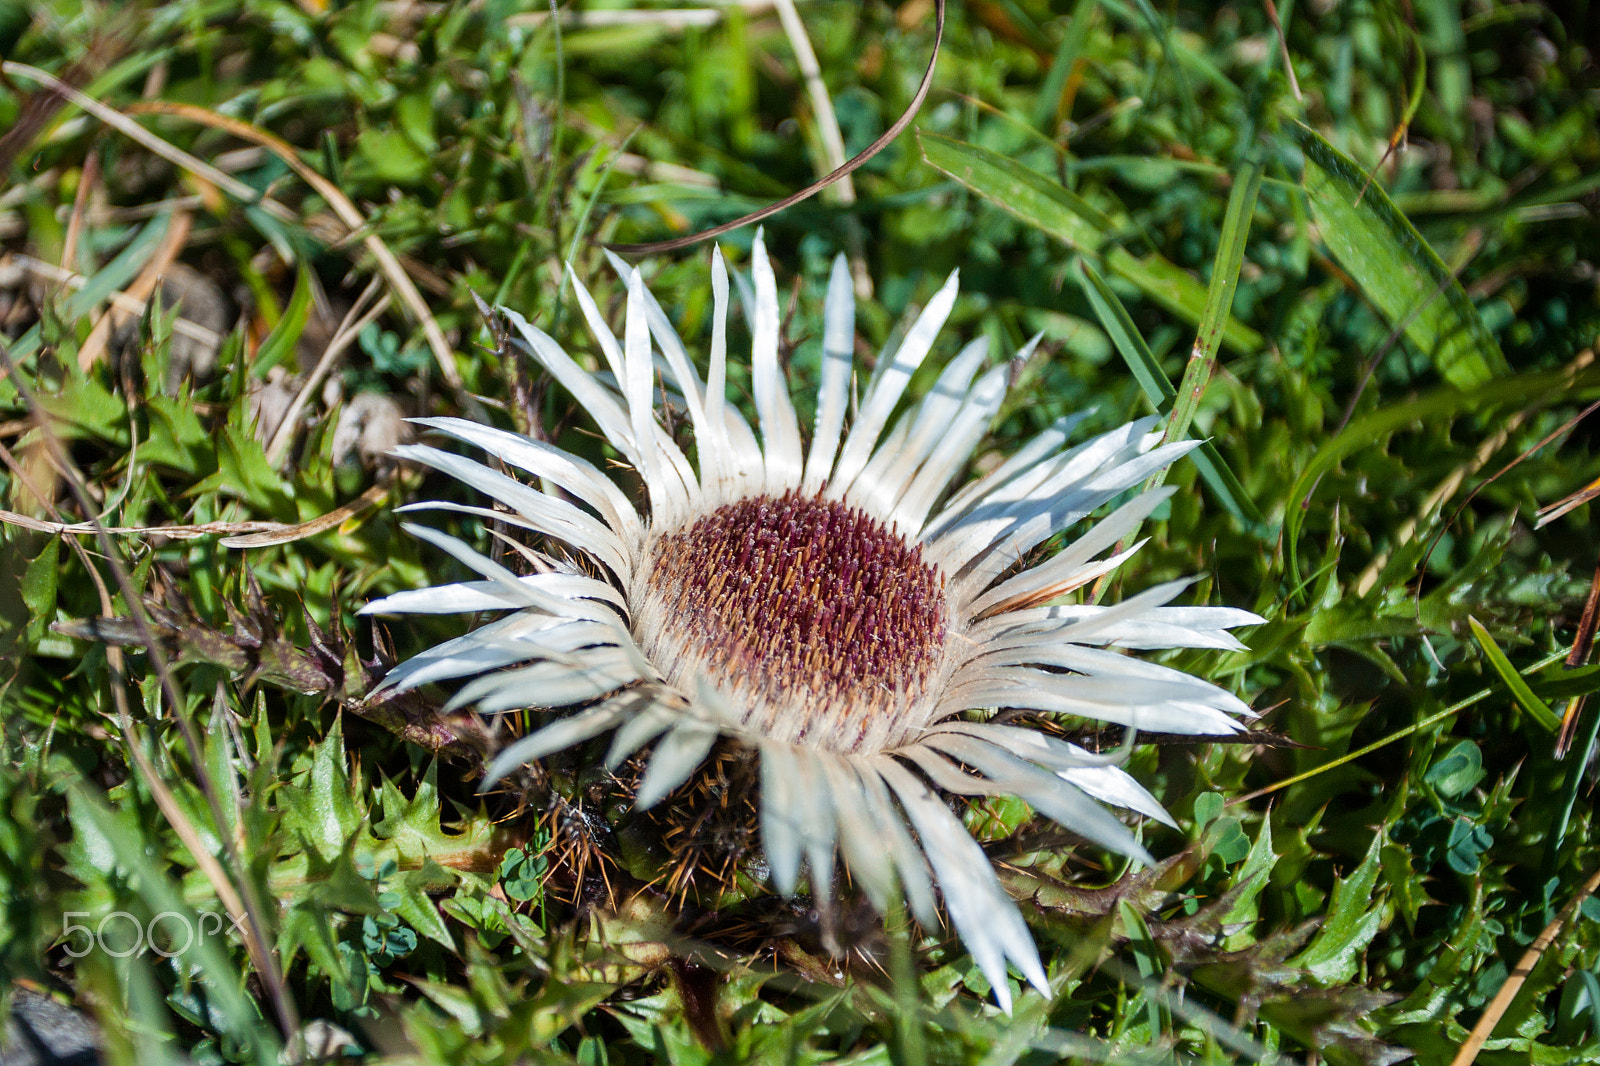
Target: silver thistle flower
[{"x": 805, "y": 604}]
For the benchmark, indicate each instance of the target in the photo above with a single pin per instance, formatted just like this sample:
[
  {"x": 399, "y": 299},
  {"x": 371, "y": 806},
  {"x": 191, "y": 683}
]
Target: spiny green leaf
[
  {"x": 1354, "y": 918},
  {"x": 325, "y": 810},
  {"x": 243, "y": 472},
  {"x": 1248, "y": 880},
  {"x": 236, "y": 1015},
  {"x": 177, "y": 437},
  {"x": 40, "y": 580},
  {"x": 454, "y": 1000},
  {"x": 84, "y": 408},
  {"x": 411, "y": 890}
]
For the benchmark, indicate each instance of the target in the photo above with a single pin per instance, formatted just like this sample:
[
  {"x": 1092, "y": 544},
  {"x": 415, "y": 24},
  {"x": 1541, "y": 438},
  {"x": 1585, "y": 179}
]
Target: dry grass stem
[{"x": 343, "y": 337}]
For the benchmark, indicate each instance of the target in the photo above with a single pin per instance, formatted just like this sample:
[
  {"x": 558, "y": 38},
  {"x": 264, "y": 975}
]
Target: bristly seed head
[{"x": 810, "y": 614}]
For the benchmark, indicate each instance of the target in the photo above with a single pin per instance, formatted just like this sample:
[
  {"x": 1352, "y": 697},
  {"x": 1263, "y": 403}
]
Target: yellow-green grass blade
[
  {"x": 1536, "y": 708},
  {"x": 1395, "y": 267},
  {"x": 1158, "y": 389},
  {"x": 1041, "y": 202}
]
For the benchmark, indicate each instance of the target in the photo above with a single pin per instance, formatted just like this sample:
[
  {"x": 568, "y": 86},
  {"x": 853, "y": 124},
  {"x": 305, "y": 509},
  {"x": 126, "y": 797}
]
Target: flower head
[{"x": 815, "y": 605}]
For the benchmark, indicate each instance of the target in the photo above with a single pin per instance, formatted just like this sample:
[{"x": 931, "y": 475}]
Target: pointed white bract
[{"x": 815, "y": 605}]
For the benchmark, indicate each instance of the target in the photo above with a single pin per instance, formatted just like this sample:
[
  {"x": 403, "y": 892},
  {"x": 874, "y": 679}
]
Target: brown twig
[
  {"x": 311, "y": 527},
  {"x": 1582, "y": 644},
  {"x": 208, "y": 529},
  {"x": 854, "y": 164},
  {"x": 343, "y": 337},
  {"x": 1513, "y": 984},
  {"x": 88, "y": 179}
]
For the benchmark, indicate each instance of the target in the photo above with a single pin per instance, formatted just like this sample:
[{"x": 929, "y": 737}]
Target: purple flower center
[{"x": 803, "y": 603}]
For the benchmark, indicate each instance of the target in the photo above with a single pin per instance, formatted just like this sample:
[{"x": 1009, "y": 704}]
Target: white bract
[{"x": 815, "y": 604}]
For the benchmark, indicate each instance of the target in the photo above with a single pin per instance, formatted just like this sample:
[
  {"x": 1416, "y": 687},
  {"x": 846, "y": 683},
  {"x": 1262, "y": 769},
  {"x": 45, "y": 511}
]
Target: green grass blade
[
  {"x": 1041, "y": 202},
  {"x": 1219, "y": 300},
  {"x": 1125, "y": 337},
  {"x": 121, "y": 270},
  {"x": 286, "y": 334},
  {"x": 1520, "y": 691},
  {"x": 1047, "y": 108},
  {"x": 1395, "y": 267}
]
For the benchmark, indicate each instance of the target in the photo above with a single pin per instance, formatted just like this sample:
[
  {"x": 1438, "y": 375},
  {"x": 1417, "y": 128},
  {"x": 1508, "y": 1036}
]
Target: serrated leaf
[
  {"x": 222, "y": 768},
  {"x": 413, "y": 903},
  {"x": 1354, "y": 918},
  {"x": 453, "y": 1000},
  {"x": 243, "y": 472},
  {"x": 1248, "y": 881},
  {"x": 233, "y": 1013},
  {"x": 40, "y": 581},
  {"x": 306, "y": 927},
  {"x": 324, "y": 810},
  {"x": 85, "y": 408},
  {"x": 338, "y": 885},
  {"x": 1405, "y": 884},
  {"x": 410, "y": 825},
  {"x": 177, "y": 437},
  {"x": 559, "y": 1004}
]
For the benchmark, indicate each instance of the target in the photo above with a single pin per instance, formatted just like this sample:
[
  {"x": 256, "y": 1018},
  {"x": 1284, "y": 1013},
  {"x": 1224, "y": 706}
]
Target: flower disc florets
[
  {"x": 820, "y": 607},
  {"x": 823, "y": 624}
]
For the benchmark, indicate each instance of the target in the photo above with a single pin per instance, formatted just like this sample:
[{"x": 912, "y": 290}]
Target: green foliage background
[{"x": 1077, "y": 161}]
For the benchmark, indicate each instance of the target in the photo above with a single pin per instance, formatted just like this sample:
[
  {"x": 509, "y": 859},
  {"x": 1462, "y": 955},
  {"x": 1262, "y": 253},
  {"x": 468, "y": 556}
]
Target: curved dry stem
[{"x": 815, "y": 187}]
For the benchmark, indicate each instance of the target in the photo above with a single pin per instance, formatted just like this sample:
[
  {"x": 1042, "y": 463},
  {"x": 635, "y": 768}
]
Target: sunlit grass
[{"x": 1383, "y": 350}]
